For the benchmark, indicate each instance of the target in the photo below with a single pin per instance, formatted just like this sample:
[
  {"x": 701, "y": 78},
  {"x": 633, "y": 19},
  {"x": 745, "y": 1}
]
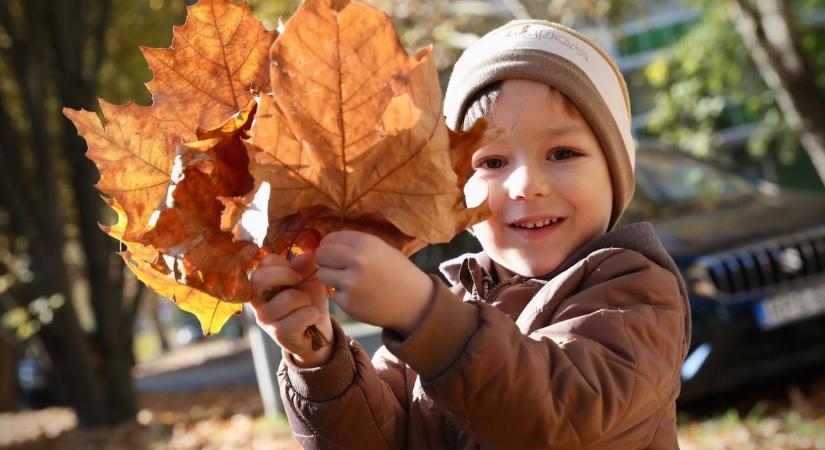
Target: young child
[{"x": 570, "y": 334}]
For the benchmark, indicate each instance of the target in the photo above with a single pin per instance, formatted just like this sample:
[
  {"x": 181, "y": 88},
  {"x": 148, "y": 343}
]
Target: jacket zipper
[
  {"x": 448, "y": 427},
  {"x": 450, "y": 433},
  {"x": 498, "y": 287}
]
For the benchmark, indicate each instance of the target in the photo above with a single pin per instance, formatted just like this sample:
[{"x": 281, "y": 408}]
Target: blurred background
[{"x": 728, "y": 100}]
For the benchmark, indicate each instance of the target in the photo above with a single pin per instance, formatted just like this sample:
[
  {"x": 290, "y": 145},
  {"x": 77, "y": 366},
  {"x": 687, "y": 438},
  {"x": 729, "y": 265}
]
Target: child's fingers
[
  {"x": 304, "y": 264},
  {"x": 265, "y": 278},
  {"x": 334, "y": 256},
  {"x": 337, "y": 279},
  {"x": 292, "y": 327},
  {"x": 282, "y": 305},
  {"x": 348, "y": 238},
  {"x": 274, "y": 259}
]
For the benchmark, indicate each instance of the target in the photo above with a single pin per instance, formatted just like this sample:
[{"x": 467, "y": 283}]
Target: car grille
[{"x": 761, "y": 269}]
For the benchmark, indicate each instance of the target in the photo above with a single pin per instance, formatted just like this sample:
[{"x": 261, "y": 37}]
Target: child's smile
[
  {"x": 546, "y": 178},
  {"x": 536, "y": 226}
]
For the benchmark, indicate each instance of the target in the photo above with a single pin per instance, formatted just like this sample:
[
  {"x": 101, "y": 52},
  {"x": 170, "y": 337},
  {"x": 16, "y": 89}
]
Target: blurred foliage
[
  {"x": 135, "y": 24},
  {"x": 708, "y": 82},
  {"x": 26, "y": 322},
  {"x": 451, "y": 26}
]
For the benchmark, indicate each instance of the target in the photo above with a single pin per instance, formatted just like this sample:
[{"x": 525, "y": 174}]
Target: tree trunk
[
  {"x": 770, "y": 34},
  {"x": 157, "y": 324},
  {"x": 63, "y": 339},
  {"x": 49, "y": 54},
  {"x": 76, "y": 86},
  {"x": 8, "y": 376}
]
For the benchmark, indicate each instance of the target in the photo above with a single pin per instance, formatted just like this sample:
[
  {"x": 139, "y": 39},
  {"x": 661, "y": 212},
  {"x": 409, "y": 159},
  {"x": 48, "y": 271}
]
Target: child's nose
[{"x": 527, "y": 182}]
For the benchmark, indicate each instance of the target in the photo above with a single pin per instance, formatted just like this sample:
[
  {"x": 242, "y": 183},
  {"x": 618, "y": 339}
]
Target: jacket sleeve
[
  {"x": 603, "y": 369},
  {"x": 348, "y": 403}
]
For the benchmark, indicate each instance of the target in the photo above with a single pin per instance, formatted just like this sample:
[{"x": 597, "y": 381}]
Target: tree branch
[
  {"x": 748, "y": 21},
  {"x": 797, "y": 95},
  {"x": 777, "y": 25}
]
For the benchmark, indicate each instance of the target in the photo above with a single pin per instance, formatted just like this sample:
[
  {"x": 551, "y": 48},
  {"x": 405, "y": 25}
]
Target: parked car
[{"x": 753, "y": 258}]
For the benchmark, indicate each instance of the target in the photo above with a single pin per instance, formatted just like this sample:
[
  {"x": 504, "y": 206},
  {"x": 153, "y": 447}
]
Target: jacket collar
[
  {"x": 474, "y": 271},
  {"x": 478, "y": 271}
]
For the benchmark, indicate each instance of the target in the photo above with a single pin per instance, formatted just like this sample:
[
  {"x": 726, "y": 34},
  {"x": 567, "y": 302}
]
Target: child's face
[{"x": 545, "y": 165}]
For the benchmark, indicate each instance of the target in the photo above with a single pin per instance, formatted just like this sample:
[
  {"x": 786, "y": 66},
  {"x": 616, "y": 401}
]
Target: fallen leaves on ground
[
  {"x": 213, "y": 419},
  {"x": 785, "y": 431}
]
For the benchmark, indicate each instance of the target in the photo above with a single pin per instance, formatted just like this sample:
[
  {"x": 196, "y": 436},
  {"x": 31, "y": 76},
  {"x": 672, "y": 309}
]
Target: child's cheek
[
  {"x": 476, "y": 190},
  {"x": 486, "y": 235}
]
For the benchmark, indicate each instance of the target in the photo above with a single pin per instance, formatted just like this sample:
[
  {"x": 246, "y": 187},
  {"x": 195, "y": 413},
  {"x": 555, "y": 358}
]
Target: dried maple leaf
[
  {"x": 353, "y": 135},
  {"x": 211, "y": 311},
  {"x": 217, "y": 63},
  {"x": 186, "y": 229},
  {"x": 208, "y": 176}
]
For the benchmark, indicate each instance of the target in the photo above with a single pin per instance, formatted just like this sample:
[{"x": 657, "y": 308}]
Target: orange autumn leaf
[
  {"x": 353, "y": 135},
  {"x": 462, "y": 146},
  {"x": 217, "y": 63},
  {"x": 211, "y": 312},
  {"x": 186, "y": 229},
  {"x": 208, "y": 176},
  {"x": 208, "y": 74}
]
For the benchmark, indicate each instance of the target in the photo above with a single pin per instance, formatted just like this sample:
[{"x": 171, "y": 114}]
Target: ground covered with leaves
[
  {"x": 776, "y": 415},
  {"x": 223, "y": 419},
  {"x": 233, "y": 419}
]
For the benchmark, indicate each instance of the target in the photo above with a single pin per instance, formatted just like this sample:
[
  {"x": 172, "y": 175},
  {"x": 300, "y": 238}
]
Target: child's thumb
[{"x": 304, "y": 264}]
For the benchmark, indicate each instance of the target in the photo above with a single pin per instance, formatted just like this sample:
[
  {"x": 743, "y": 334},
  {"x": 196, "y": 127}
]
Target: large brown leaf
[
  {"x": 353, "y": 134},
  {"x": 217, "y": 61},
  {"x": 134, "y": 157}
]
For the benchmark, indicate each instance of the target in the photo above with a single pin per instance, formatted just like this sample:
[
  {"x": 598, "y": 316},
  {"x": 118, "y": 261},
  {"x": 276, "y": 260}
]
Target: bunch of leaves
[{"x": 263, "y": 141}]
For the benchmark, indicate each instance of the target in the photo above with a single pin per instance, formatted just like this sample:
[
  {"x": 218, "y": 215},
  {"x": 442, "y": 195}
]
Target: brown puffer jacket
[{"x": 586, "y": 357}]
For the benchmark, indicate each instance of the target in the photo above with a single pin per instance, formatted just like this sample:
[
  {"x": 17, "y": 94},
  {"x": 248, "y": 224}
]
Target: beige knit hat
[{"x": 568, "y": 61}]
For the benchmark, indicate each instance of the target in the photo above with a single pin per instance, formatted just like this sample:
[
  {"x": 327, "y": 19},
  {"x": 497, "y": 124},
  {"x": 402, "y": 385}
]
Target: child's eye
[
  {"x": 561, "y": 154},
  {"x": 491, "y": 163}
]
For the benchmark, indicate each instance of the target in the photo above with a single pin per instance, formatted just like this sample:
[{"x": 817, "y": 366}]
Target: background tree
[
  {"x": 55, "y": 54},
  {"x": 774, "y": 39},
  {"x": 721, "y": 73}
]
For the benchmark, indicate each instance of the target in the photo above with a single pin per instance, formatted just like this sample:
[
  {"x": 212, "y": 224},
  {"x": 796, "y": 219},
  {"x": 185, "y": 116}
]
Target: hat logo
[{"x": 549, "y": 34}]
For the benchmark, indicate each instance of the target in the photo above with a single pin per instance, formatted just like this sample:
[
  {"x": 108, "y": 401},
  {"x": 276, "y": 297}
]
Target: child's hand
[
  {"x": 373, "y": 282},
  {"x": 288, "y": 314}
]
